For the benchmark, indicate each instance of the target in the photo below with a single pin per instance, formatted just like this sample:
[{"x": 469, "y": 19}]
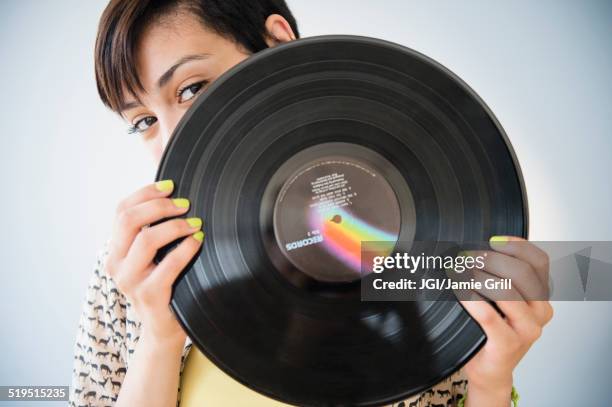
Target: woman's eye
[
  {"x": 142, "y": 124},
  {"x": 188, "y": 92}
]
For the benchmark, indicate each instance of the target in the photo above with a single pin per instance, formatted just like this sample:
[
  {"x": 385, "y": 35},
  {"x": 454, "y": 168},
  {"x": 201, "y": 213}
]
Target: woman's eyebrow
[
  {"x": 128, "y": 106},
  {"x": 168, "y": 74}
]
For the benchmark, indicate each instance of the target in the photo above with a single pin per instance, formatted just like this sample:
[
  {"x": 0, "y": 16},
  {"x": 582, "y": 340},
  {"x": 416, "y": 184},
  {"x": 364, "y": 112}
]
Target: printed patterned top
[{"x": 108, "y": 333}]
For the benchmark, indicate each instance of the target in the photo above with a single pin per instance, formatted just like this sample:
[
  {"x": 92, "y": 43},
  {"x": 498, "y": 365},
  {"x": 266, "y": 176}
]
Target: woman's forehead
[
  {"x": 165, "y": 44},
  {"x": 162, "y": 45}
]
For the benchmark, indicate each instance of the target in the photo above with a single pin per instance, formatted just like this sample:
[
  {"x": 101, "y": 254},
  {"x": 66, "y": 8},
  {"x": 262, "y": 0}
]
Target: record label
[{"x": 326, "y": 209}]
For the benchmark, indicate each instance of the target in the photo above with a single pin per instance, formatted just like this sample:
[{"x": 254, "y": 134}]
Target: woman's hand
[
  {"x": 509, "y": 337},
  {"x": 148, "y": 286}
]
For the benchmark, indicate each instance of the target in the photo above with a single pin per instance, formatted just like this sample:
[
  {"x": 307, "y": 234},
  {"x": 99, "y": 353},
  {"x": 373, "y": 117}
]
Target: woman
[{"x": 152, "y": 59}]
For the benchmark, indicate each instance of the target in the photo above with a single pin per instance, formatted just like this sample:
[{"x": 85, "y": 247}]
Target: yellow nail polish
[
  {"x": 498, "y": 240},
  {"x": 199, "y": 236},
  {"x": 181, "y": 202},
  {"x": 194, "y": 222},
  {"x": 166, "y": 185}
]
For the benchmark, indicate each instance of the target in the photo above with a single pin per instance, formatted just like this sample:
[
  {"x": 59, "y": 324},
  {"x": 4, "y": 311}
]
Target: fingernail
[
  {"x": 194, "y": 222},
  {"x": 166, "y": 185},
  {"x": 199, "y": 236},
  {"x": 181, "y": 202},
  {"x": 498, "y": 240}
]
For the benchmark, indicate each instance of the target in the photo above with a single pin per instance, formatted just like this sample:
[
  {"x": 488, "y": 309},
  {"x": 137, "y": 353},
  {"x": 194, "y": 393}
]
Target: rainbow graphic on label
[{"x": 343, "y": 233}]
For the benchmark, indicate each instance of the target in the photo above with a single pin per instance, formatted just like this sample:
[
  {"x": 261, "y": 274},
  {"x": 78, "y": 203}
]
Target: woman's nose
[
  {"x": 165, "y": 138},
  {"x": 166, "y": 134},
  {"x": 167, "y": 126}
]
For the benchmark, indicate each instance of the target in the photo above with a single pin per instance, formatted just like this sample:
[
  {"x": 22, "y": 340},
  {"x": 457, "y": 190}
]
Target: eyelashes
[
  {"x": 190, "y": 90},
  {"x": 142, "y": 125}
]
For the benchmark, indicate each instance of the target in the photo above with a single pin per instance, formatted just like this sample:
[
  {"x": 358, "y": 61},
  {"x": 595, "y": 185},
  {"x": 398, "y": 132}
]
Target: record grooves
[{"x": 290, "y": 158}]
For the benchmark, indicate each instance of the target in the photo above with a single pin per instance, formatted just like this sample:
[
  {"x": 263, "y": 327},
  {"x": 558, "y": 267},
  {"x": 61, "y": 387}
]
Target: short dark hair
[{"x": 123, "y": 21}]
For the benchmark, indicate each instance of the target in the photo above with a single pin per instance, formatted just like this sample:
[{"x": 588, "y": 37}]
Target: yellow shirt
[{"x": 204, "y": 384}]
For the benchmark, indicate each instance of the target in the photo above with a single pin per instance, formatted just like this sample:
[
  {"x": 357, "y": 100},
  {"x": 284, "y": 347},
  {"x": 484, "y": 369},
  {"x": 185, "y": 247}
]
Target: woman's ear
[{"x": 278, "y": 30}]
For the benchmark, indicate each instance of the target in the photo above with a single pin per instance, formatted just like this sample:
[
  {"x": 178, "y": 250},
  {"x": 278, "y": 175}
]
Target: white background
[{"x": 543, "y": 68}]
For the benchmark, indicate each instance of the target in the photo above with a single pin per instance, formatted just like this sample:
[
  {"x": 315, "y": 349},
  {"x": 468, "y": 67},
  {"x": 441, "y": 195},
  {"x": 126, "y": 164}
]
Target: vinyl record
[{"x": 290, "y": 158}]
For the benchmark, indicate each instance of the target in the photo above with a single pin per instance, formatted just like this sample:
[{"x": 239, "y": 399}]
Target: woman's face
[{"x": 177, "y": 58}]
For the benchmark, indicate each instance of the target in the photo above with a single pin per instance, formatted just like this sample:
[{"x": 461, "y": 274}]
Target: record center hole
[{"x": 336, "y": 219}]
